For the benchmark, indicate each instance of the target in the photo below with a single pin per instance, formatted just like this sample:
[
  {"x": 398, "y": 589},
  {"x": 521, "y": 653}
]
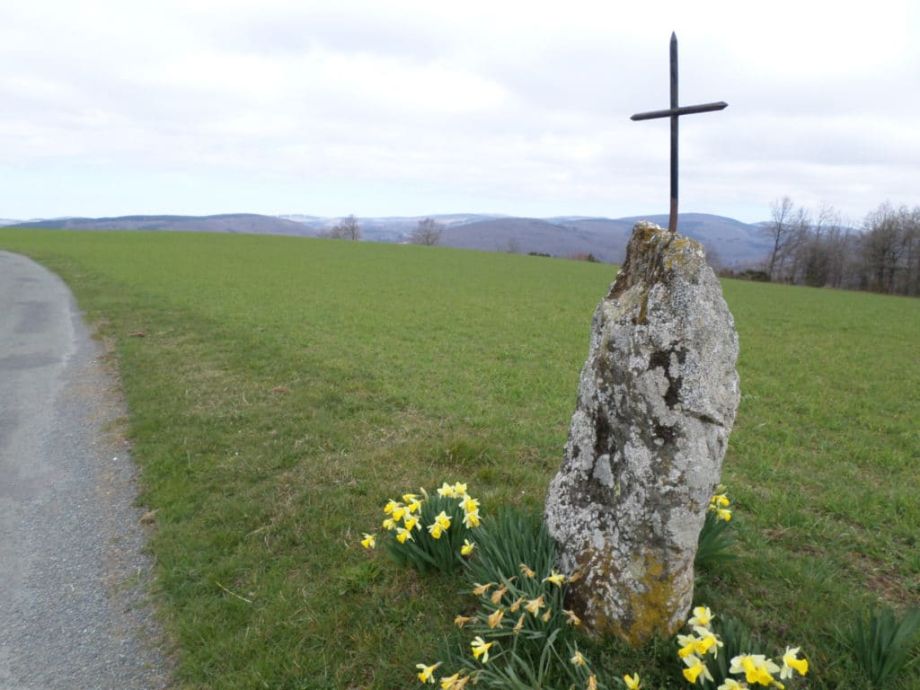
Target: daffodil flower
[
  {"x": 592, "y": 682},
  {"x": 481, "y": 648},
  {"x": 399, "y": 511},
  {"x": 791, "y": 661},
  {"x": 498, "y": 594},
  {"x": 369, "y": 541},
  {"x": 472, "y": 520},
  {"x": 632, "y": 682},
  {"x": 403, "y": 535},
  {"x": 443, "y": 519},
  {"x": 516, "y": 605},
  {"x": 447, "y": 491},
  {"x": 571, "y": 618},
  {"x": 459, "y": 489},
  {"x": 409, "y": 498},
  {"x": 389, "y": 524},
  {"x": 526, "y": 571},
  {"x": 495, "y": 618},
  {"x": 546, "y": 616},
  {"x": 435, "y": 530},
  {"x": 707, "y": 642},
  {"x": 479, "y": 590},
  {"x": 534, "y": 605},
  {"x": 410, "y": 522},
  {"x": 724, "y": 514},
  {"x": 425, "y": 672},
  {"x": 579, "y": 659},
  {"x": 720, "y": 500},
  {"x": 460, "y": 621},
  {"x": 687, "y": 645},
  {"x": 555, "y": 578},
  {"x": 470, "y": 505},
  {"x": 414, "y": 506},
  {"x": 756, "y": 668},
  {"x": 390, "y": 507},
  {"x": 731, "y": 684},
  {"x": 695, "y": 668},
  {"x": 467, "y": 547},
  {"x": 447, "y": 682},
  {"x": 701, "y": 616},
  {"x": 519, "y": 625}
]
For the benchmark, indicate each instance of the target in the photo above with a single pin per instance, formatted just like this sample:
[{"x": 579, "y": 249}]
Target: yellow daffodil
[
  {"x": 409, "y": 498},
  {"x": 398, "y": 512},
  {"x": 481, "y": 648},
  {"x": 571, "y": 618},
  {"x": 369, "y": 541},
  {"x": 410, "y": 522},
  {"x": 467, "y": 547},
  {"x": 534, "y": 605},
  {"x": 425, "y": 672},
  {"x": 403, "y": 535},
  {"x": 555, "y": 578},
  {"x": 435, "y": 530},
  {"x": 414, "y": 506},
  {"x": 702, "y": 616},
  {"x": 632, "y": 682},
  {"x": 695, "y": 668},
  {"x": 592, "y": 682},
  {"x": 724, "y": 514},
  {"x": 390, "y": 507},
  {"x": 687, "y": 645},
  {"x": 460, "y": 621},
  {"x": 791, "y": 661},
  {"x": 448, "y": 682},
  {"x": 459, "y": 489},
  {"x": 707, "y": 642},
  {"x": 472, "y": 520},
  {"x": 756, "y": 668},
  {"x": 516, "y": 605},
  {"x": 495, "y": 618},
  {"x": 498, "y": 594},
  {"x": 731, "y": 684},
  {"x": 447, "y": 491},
  {"x": 579, "y": 659},
  {"x": 519, "y": 625},
  {"x": 479, "y": 590},
  {"x": 720, "y": 501},
  {"x": 389, "y": 524},
  {"x": 526, "y": 571},
  {"x": 470, "y": 505},
  {"x": 546, "y": 616}
]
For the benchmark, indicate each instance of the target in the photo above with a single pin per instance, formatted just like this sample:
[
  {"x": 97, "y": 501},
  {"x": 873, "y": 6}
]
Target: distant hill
[
  {"x": 248, "y": 223},
  {"x": 729, "y": 241}
]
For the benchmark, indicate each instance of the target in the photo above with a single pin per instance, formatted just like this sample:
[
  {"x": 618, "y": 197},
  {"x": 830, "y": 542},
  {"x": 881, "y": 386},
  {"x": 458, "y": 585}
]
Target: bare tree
[
  {"x": 346, "y": 229},
  {"x": 881, "y": 248},
  {"x": 428, "y": 232},
  {"x": 781, "y": 231}
]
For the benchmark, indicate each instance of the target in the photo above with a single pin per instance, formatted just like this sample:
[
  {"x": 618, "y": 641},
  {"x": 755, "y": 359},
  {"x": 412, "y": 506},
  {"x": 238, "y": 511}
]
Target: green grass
[{"x": 285, "y": 388}]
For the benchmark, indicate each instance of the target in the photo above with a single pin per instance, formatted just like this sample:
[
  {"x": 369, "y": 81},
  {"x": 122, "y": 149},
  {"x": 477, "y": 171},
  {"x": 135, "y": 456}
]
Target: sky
[{"x": 415, "y": 108}]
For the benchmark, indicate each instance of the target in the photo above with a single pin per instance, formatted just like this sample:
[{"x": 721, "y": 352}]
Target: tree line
[
  {"x": 817, "y": 249},
  {"x": 427, "y": 232}
]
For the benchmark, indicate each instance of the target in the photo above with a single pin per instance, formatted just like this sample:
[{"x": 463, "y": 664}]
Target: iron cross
[{"x": 675, "y": 112}]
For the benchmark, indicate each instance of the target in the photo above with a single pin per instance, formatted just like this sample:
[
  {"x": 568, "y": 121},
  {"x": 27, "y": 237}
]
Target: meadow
[{"x": 282, "y": 389}]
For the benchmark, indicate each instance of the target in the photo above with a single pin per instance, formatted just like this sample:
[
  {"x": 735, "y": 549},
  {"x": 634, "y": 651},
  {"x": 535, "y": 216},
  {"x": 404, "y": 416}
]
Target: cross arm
[{"x": 683, "y": 110}]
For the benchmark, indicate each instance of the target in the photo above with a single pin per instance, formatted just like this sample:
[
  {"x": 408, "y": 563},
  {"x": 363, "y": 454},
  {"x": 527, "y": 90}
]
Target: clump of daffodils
[
  {"x": 696, "y": 648},
  {"x": 720, "y": 505},
  {"x": 431, "y": 531}
]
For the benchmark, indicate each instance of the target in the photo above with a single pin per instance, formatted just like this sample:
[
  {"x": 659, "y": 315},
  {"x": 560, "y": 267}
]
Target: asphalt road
[{"x": 73, "y": 577}]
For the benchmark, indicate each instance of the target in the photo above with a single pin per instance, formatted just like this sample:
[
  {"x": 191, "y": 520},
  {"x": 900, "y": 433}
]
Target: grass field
[{"x": 285, "y": 388}]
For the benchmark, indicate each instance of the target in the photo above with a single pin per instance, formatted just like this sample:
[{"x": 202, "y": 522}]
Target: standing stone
[{"x": 656, "y": 403}]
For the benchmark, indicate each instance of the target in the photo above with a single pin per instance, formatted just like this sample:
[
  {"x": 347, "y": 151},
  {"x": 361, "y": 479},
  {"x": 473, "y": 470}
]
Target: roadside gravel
[{"x": 74, "y": 610}]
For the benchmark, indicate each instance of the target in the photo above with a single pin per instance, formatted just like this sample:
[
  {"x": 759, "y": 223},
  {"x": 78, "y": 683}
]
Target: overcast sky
[{"x": 413, "y": 108}]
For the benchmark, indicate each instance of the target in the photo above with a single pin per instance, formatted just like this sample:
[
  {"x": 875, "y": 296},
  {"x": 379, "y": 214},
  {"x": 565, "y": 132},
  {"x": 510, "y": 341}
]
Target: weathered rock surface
[{"x": 656, "y": 403}]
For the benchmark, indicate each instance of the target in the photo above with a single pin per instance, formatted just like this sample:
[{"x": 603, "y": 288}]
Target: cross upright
[{"x": 675, "y": 112}]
